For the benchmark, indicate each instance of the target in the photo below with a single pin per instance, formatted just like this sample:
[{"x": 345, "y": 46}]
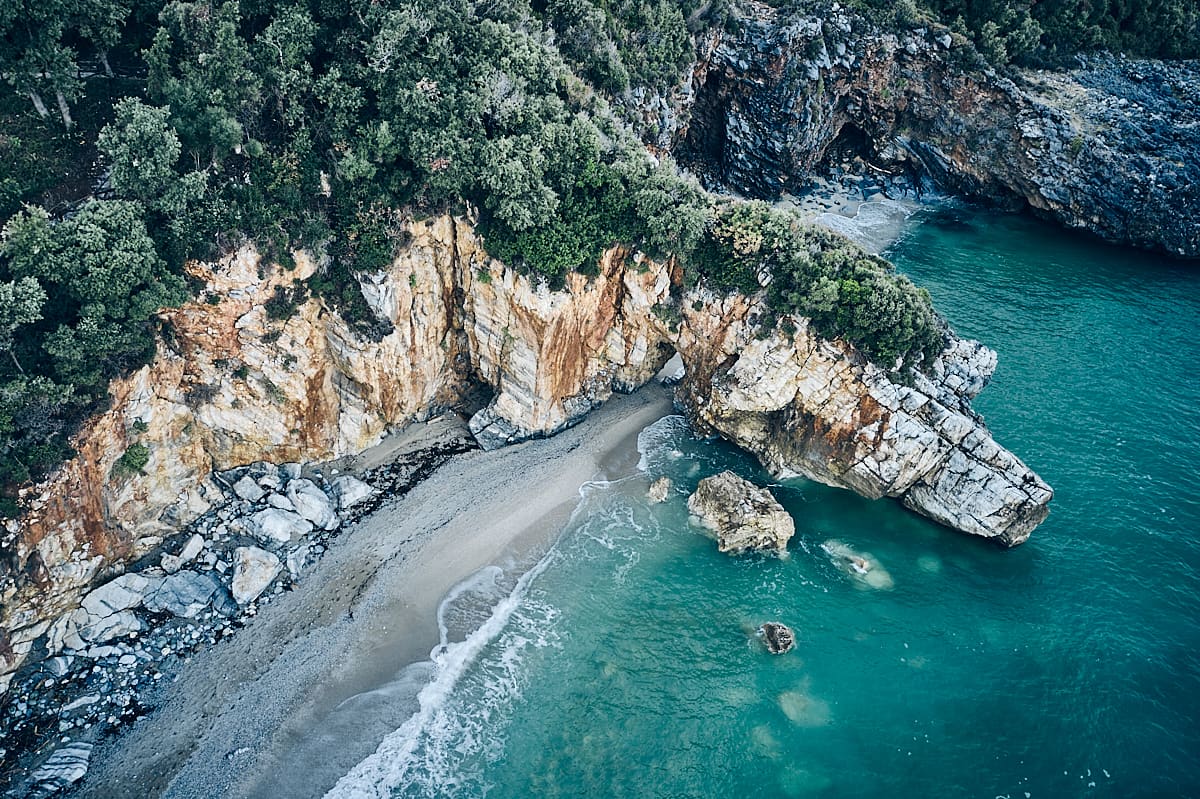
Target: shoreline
[{"x": 247, "y": 717}]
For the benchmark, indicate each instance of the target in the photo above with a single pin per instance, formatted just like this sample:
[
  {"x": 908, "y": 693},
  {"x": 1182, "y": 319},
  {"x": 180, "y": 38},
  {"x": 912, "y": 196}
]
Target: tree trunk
[
  {"x": 38, "y": 104},
  {"x": 104, "y": 60},
  {"x": 65, "y": 110}
]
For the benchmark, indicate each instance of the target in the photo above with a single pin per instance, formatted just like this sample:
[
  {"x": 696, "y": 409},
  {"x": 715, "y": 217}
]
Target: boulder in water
[
  {"x": 744, "y": 517},
  {"x": 660, "y": 488},
  {"x": 778, "y": 637}
]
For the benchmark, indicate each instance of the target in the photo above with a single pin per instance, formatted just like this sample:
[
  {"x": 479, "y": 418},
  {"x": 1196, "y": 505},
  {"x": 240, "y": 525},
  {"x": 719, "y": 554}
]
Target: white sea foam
[
  {"x": 657, "y": 443},
  {"x": 875, "y": 225},
  {"x": 425, "y": 755}
]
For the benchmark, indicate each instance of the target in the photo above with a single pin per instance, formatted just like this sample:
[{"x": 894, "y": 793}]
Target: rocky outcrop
[
  {"x": 777, "y": 637},
  {"x": 812, "y": 407},
  {"x": 1109, "y": 148},
  {"x": 553, "y": 356},
  {"x": 741, "y": 516},
  {"x": 233, "y": 386}
]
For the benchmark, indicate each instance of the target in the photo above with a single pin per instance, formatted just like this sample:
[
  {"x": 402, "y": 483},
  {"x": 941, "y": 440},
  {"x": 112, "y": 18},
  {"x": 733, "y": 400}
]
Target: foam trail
[
  {"x": 376, "y": 775},
  {"x": 657, "y": 440}
]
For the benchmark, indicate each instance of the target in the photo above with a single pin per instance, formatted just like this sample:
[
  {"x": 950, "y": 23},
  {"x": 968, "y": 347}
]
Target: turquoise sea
[{"x": 624, "y": 663}]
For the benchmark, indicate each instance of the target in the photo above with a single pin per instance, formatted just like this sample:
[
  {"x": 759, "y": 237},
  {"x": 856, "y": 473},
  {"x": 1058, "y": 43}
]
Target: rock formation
[
  {"x": 660, "y": 489},
  {"x": 1109, "y": 148},
  {"x": 741, "y": 516},
  {"x": 777, "y": 637},
  {"x": 232, "y": 386}
]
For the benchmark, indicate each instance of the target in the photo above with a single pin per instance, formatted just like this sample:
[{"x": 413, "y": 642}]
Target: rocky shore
[{"x": 206, "y": 582}]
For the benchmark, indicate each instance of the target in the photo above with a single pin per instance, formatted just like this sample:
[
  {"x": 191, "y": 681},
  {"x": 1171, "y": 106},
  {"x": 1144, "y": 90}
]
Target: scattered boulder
[
  {"x": 98, "y": 629},
  {"x": 173, "y": 563},
  {"x": 123, "y": 593},
  {"x": 276, "y": 524},
  {"x": 253, "y": 571},
  {"x": 183, "y": 594},
  {"x": 248, "y": 489},
  {"x": 281, "y": 502},
  {"x": 349, "y": 491},
  {"x": 660, "y": 488},
  {"x": 312, "y": 503},
  {"x": 778, "y": 637},
  {"x": 64, "y": 768},
  {"x": 744, "y": 518}
]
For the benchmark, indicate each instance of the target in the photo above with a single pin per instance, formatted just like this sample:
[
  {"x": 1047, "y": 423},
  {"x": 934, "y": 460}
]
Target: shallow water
[{"x": 625, "y": 663}]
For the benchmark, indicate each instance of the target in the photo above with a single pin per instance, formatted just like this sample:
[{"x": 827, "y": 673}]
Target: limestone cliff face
[
  {"x": 231, "y": 385},
  {"x": 811, "y": 407},
  {"x": 1108, "y": 148},
  {"x": 552, "y": 356}
]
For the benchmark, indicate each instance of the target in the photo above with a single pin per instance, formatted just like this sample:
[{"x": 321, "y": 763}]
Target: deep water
[{"x": 625, "y": 663}]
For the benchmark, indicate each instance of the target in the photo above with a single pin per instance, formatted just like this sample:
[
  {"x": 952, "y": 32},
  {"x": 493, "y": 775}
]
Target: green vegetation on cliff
[
  {"x": 1040, "y": 32},
  {"x": 148, "y": 133}
]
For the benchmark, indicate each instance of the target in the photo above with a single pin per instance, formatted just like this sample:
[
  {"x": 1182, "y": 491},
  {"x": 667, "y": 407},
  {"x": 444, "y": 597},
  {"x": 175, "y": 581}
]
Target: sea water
[{"x": 625, "y": 663}]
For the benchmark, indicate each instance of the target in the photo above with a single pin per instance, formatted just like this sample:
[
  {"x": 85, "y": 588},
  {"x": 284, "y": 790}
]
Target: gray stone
[
  {"x": 275, "y": 524},
  {"x": 281, "y": 502},
  {"x": 123, "y": 593},
  {"x": 184, "y": 594},
  {"x": 312, "y": 504},
  {"x": 59, "y": 666},
  {"x": 743, "y": 517},
  {"x": 65, "y": 767},
  {"x": 191, "y": 548},
  {"x": 248, "y": 489},
  {"x": 348, "y": 491},
  {"x": 253, "y": 571},
  {"x": 98, "y": 629}
]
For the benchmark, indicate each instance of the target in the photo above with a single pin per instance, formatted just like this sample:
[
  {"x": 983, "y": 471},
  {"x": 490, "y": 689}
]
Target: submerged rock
[
  {"x": 778, "y": 637},
  {"x": 659, "y": 489},
  {"x": 744, "y": 517}
]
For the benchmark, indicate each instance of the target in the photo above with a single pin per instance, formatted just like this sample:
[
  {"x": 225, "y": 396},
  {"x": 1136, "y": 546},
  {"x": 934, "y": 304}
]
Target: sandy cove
[{"x": 244, "y": 718}]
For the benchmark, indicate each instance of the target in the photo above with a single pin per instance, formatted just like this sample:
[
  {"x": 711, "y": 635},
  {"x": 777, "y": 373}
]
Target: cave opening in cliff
[
  {"x": 851, "y": 150},
  {"x": 703, "y": 147}
]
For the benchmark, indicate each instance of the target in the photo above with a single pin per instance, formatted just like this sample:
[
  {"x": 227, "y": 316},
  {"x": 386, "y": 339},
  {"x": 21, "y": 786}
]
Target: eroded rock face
[
  {"x": 1109, "y": 148},
  {"x": 743, "y": 517}
]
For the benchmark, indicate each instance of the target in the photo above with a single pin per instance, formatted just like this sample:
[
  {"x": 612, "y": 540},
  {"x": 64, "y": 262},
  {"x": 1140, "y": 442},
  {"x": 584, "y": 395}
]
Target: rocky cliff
[
  {"x": 1109, "y": 148},
  {"x": 232, "y": 385}
]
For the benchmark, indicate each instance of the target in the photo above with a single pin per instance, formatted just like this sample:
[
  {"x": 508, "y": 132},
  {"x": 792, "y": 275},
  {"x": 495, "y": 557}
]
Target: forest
[{"x": 137, "y": 134}]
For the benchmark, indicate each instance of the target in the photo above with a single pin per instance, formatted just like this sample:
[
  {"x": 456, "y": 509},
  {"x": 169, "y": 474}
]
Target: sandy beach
[{"x": 258, "y": 714}]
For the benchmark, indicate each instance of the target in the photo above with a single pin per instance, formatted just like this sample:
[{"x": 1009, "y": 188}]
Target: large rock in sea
[
  {"x": 777, "y": 637},
  {"x": 744, "y": 517}
]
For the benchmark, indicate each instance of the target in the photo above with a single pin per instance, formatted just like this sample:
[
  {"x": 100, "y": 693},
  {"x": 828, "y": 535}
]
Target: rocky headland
[{"x": 1107, "y": 147}]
